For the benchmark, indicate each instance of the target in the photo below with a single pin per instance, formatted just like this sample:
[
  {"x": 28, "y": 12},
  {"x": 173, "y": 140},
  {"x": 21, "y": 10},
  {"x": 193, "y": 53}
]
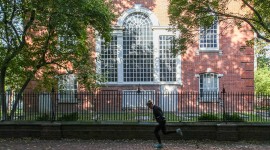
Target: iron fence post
[
  {"x": 137, "y": 101},
  {"x": 223, "y": 97},
  {"x": 53, "y": 104}
]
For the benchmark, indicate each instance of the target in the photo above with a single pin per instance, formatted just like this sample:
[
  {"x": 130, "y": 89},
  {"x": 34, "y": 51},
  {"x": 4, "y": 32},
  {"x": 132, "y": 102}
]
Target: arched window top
[
  {"x": 138, "y": 48},
  {"x": 137, "y": 20},
  {"x": 138, "y": 9}
]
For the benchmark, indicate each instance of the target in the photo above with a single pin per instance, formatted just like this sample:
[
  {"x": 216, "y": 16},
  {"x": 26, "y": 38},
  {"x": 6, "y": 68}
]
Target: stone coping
[{"x": 132, "y": 123}]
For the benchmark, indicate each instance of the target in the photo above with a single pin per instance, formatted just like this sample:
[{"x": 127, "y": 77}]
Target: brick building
[{"x": 139, "y": 57}]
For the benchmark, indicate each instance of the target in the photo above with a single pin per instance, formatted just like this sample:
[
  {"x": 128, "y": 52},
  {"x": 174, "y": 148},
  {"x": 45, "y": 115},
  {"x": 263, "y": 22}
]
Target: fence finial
[
  {"x": 223, "y": 89},
  {"x": 139, "y": 89}
]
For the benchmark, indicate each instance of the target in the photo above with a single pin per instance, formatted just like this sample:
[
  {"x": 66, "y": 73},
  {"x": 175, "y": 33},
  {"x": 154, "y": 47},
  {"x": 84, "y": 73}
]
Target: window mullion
[
  {"x": 98, "y": 52},
  {"x": 120, "y": 56},
  {"x": 156, "y": 55}
]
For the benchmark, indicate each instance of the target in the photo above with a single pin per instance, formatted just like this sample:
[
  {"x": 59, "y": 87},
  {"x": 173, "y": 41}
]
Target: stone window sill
[{"x": 220, "y": 52}]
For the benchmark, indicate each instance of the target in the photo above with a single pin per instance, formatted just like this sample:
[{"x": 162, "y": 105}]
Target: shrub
[
  {"x": 69, "y": 117},
  {"x": 44, "y": 117},
  {"x": 208, "y": 117},
  {"x": 233, "y": 117}
]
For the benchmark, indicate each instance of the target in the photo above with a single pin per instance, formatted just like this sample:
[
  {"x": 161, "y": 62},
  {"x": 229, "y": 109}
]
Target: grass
[{"x": 143, "y": 116}]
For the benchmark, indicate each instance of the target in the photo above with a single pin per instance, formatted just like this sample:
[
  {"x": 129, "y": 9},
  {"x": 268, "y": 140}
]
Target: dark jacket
[{"x": 158, "y": 114}]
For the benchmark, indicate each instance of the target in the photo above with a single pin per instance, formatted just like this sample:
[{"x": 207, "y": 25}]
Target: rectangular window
[
  {"x": 67, "y": 43},
  {"x": 209, "y": 37},
  {"x": 132, "y": 99},
  {"x": 67, "y": 87},
  {"x": 108, "y": 57},
  {"x": 167, "y": 60},
  {"x": 208, "y": 86}
]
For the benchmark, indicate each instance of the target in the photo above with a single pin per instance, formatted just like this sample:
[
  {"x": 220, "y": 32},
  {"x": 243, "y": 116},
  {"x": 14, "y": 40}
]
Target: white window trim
[
  {"x": 157, "y": 31},
  {"x": 210, "y": 50},
  {"x": 138, "y": 8},
  {"x": 68, "y": 97},
  {"x": 207, "y": 100}
]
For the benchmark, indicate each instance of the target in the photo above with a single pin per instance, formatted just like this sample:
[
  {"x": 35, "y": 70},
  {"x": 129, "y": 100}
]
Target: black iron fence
[{"x": 130, "y": 106}]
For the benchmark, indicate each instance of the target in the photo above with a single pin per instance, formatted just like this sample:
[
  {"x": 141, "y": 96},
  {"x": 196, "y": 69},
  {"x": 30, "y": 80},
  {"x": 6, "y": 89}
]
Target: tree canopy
[
  {"x": 188, "y": 15},
  {"x": 262, "y": 78},
  {"x": 42, "y": 36}
]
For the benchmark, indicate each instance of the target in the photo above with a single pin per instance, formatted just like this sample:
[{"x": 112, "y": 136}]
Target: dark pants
[{"x": 161, "y": 126}]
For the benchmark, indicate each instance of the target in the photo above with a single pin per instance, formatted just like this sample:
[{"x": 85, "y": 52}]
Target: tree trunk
[
  {"x": 18, "y": 97},
  {"x": 3, "y": 94}
]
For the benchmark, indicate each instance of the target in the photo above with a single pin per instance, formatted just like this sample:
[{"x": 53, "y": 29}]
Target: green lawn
[{"x": 144, "y": 116}]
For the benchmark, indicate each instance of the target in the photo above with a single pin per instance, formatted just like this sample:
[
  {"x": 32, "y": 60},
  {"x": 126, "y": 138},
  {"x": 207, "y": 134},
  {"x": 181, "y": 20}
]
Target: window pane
[
  {"x": 67, "y": 83},
  {"x": 109, "y": 60},
  {"x": 208, "y": 86},
  {"x": 208, "y": 37},
  {"x": 67, "y": 87},
  {"x": 138, "y": 48},
  {"x": 67, "y": 43},
  {"x": 166, "y": 59}
]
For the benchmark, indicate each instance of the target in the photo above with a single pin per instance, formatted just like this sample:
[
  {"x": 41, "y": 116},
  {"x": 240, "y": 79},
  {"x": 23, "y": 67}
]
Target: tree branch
[
  {"x": 261, "y": 22},
  {"x": 247, "y": 20},
  {"x": 27, "y": 26}
]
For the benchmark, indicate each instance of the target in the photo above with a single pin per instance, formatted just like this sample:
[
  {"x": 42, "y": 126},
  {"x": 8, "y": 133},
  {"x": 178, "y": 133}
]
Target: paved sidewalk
[{"x": 67, "y": 144}]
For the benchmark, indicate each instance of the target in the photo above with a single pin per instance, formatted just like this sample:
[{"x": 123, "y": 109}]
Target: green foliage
[
  {"x": 263, "y": 61},
  {"x": 69, "y": 117},
  {"x": 208, "y": 117},
  {"x": 188, "y": 15},
  {"x": 30, "y": 45},
  {"x": 30, "y": 32},
  {"x": 262, "y": 80},
  {"x": 215, "y": 117},
  {"x": 44, "y": 117},
  {"x": 233, "y": 117}
]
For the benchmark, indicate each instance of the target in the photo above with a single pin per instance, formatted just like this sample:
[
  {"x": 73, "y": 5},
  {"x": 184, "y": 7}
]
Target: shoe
[
  {"x": 179, "y": 131},
  {"x": 158, "y": 146}
]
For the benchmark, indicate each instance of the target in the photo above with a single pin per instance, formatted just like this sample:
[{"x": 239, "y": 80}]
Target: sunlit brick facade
[
  {"x": 225, "y": 65},
  {"x": 139, "y": 65}
]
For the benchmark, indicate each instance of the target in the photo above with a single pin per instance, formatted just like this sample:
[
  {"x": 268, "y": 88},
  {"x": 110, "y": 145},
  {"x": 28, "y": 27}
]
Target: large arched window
[
  {"x": 139, "y": 52},
  {"x": 137, "y": 48}
]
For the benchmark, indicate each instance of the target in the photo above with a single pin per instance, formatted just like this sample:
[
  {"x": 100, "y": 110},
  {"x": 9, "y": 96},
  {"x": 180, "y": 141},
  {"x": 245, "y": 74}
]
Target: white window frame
[
  {"x": 64, "y": 40},
  {"x": 67, "y": 88},
  {"x": 138, "y": 52},
  {"x": 108, "y": 57},
  {"x": 209, "y": 49},
  {"x": 157, "y": 31},
  {"x": 211, "y": 96}
]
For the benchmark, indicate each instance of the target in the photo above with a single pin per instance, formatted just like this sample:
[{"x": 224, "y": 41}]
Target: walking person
[{"x": 161, "y": 120}]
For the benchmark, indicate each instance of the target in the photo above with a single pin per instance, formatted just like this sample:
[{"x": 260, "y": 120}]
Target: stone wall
[{"x": 191, "y": 131}]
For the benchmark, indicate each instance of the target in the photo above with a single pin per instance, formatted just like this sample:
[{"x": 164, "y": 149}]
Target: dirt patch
[{"x": 71, "y": 144}]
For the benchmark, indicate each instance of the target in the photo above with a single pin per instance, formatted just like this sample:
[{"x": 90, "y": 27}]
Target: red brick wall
[
  {"x": 158, "y": 7},
  {"x": 235, "y": 65}
]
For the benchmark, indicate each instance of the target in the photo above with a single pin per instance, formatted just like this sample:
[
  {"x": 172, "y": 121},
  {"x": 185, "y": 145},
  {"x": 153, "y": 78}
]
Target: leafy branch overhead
[
  {"x": 31, "y": 33},
  {"x": 39, "y": 37},
  {"x": 188, "y": 15}
]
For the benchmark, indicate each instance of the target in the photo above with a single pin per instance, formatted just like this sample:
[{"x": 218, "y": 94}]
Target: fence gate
[
  {"x": 168, "y": 98},
  {"x": 45, "y": 105},
  {"x": 134, "y": 99}
]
